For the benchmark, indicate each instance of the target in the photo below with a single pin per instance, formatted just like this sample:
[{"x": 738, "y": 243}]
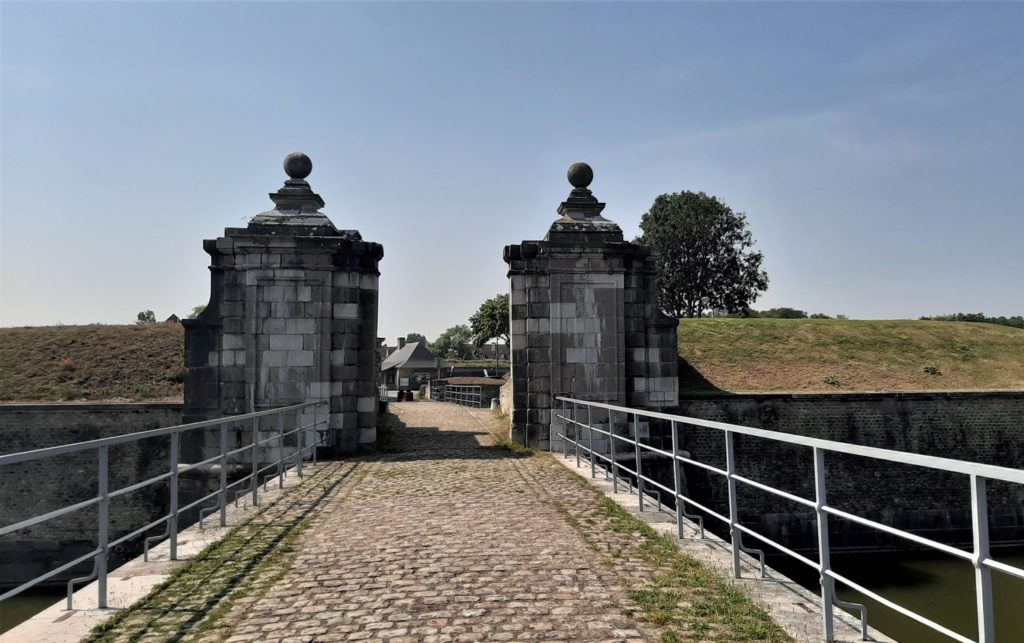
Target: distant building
[
  {"x": 410, "y": 366},
  {"x": 173, "y": 319}
]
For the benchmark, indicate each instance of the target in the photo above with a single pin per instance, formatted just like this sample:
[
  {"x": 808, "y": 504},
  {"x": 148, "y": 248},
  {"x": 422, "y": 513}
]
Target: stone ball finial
[
  {"x": 297, "y": 165},
  {"x": 580, "y": 175}
]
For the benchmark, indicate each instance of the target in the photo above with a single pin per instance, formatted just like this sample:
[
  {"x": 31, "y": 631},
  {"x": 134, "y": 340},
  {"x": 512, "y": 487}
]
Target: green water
[
  {"x": 26, "y": 605},
  {"x": 938, "y": 587}
]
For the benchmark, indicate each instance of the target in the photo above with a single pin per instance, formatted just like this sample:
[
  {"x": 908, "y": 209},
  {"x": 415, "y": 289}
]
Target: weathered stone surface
[
  {"x": 584, "y": 322},
  {"x": 293, "y": 310}
]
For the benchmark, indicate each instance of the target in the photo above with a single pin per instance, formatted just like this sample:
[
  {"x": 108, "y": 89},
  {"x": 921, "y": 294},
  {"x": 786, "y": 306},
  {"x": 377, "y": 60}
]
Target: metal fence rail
[
  {"x": 464, "y": 395},
  {"x": 579, "y": 414},
  {"x": 104, "y": 494}
]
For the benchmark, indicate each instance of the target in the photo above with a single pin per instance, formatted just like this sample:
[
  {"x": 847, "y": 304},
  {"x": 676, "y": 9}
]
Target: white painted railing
[
  {"x": 578, "y": 414},
  {"x": 104, "y": 494}
]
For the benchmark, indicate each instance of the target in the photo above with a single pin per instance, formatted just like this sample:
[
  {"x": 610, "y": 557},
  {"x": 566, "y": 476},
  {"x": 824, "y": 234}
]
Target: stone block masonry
[
  {"x": 584, "y": 320},
  {"x": 292, "y": 318}
]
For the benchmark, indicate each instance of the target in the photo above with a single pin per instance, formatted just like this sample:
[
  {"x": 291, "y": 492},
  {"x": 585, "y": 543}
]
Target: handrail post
[
  {"x": 611, "y": 451},
  {"x": 172, "y": 519},
  {"x": 316, "y": 429},
  {"x": 299, "y": 441},
  {"x": 223, "y": 497},
  {"x": 590, "y": 441},
  {"x": 565, "y": 431},
  {"x": 734, "y": 518},
  {"x": 255, "y": 461},
  {"x": 827, "y": 586},
  {"x": 280, "y": 452},
  {"x": 636, "y": 450},
  {"x": 103, "y": 518},
  {"x": 676, "y": 486},
  {"x": 982, "y": 574},
  {"x": 576, "y": 434}
]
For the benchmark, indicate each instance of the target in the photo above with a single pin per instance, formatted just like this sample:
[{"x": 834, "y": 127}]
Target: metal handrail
[
  {"x": 978, "y": 473},
  {"x": 105, "y": 494},
  {"x": 463, "y": 394}
]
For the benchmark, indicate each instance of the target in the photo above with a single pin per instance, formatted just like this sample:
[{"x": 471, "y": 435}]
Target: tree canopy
[
  {"x": 491, "y": 320},
  {"x": 704, "y": 259},
  {"x": 454, "y": 343},
  {"x": 415, "y": 337},
  {"x": 145, "y": 317}
]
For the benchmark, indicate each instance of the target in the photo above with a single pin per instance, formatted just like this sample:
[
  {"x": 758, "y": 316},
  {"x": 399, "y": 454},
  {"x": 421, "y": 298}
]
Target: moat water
[
  {"x": 938, "y": 587},
  {"x": 24, "y": 606}
]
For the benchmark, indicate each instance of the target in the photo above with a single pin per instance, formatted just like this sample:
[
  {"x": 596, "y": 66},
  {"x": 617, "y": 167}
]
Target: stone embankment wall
[
  {"x": 983, "y": 427},
  {"x": 41, "y": 486}
]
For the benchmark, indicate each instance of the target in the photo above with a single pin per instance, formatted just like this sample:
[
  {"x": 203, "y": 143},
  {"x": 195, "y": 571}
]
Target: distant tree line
[
  {"x": 1017, "y": 321},
  {"x": 778, "y": 313}
]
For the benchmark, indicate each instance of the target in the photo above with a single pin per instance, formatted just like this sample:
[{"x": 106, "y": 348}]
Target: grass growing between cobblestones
[
  {"x": 502, "y": 440},
  {"x": 681, "y": 595},
  {"x": 192, "y": 603}
]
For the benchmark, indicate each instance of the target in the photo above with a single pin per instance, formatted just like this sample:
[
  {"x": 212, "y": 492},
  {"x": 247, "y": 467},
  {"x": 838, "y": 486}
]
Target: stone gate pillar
[
  {"x": 292, "y": 318},
  {"x": 584, "y": 320}
]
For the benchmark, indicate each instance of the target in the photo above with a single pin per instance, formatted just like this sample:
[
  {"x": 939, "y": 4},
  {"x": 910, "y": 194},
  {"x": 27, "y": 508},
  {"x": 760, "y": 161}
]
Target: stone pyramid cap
[
  {"x": 295, "y": 203},
  {"x": 581, "y": 211}
]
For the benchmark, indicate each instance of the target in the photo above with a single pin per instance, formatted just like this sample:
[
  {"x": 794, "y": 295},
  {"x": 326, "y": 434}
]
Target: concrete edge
[
  {"x": 132, "y": 581},
  {"x": 794, "y": 608}
]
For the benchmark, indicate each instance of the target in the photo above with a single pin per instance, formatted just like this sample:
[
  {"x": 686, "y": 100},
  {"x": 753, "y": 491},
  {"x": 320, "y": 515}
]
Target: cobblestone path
[{"x": 445, "y": 538}]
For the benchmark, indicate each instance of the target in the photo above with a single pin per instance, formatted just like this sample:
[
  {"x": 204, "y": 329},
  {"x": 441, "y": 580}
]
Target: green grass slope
[
  {"x": 840, "y": 355},
  {"x": 116, "y": 363},
  {"x": 134, "y": 363}
]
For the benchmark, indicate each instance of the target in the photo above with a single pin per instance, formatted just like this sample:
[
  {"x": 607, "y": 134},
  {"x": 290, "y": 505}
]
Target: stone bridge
[
  {"x": 440, "y": 536},
  {"x": 445, "y": 525}
]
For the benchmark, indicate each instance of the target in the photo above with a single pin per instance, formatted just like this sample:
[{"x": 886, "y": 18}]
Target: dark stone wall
[
  {"x": 985, "y": 427},
  {"x": 41, "y": 486},
  {"x": 292, "y": 318}
]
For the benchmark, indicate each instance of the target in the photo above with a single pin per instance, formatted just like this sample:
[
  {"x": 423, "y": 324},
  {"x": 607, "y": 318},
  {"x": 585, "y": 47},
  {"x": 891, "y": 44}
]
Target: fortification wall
[
  {"x": 983, "y": 427},
  {"x": 45, "y": 485}
]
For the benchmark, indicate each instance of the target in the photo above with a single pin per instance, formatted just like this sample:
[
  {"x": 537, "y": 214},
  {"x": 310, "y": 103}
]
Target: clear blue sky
[{"x": 876, "y": 148}]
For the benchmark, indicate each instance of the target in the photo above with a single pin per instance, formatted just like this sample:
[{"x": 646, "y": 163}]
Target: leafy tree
[
  {"x": 145, "y": 317},
  {"x": 454, "y": 343},
  {"x": 491, "y": 320},
  {"x": 415, "y": 337},
  {"x": 783, "y": 313},
  {"x": 198, "y": 310},
  {"x": 704, "y": 261}
]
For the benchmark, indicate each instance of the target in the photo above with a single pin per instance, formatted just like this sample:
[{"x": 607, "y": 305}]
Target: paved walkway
[{"x": 445, "y": 538}]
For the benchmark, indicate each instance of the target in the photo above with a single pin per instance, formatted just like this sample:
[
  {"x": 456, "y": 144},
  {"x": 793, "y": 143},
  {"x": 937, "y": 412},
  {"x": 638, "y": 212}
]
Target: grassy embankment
[
  {"x": 855, "y": 355},
  {"x": 98, "y": 362},
  {"x": 131, "y": 363}
]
